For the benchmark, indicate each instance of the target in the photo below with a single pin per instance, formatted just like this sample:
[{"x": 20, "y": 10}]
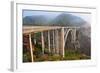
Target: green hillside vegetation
[{"x": 69, "y": 55}]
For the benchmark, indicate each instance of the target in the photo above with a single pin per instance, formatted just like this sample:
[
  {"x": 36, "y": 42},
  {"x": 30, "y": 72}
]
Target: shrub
[
  {"x": 26, "y": 57},
  {"x": 55, "y": 57}
]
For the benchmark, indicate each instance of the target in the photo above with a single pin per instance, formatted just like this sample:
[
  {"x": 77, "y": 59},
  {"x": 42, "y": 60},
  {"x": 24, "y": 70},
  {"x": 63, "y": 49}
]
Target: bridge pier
[
  {"x": 31, "y": 48},
  {"x": 53, "y": 35},
  {"x": 57, "y": 41},
  {"x": 49, "y": 41},
  {"x": 42, "y": 40},
  {"x": 62, "y": 42},
  {"x": 73, "y": 33}
]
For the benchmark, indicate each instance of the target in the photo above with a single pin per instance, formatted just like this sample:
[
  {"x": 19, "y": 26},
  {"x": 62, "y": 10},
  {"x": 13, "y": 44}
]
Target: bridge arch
[{"x": 66, "y": 35}]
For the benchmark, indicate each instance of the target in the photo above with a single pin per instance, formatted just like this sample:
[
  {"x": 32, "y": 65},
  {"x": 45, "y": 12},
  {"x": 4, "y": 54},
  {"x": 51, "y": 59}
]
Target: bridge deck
[{"x": 30, "y": 29}]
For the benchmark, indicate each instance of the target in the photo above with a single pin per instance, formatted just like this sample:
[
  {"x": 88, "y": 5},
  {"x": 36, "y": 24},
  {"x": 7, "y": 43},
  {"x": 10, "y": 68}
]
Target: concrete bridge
[{"x": 59, "y": 35}]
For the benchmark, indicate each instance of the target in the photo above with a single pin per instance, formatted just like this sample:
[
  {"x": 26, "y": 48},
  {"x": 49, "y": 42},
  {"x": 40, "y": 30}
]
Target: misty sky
[{"x": 84, "y": 16}]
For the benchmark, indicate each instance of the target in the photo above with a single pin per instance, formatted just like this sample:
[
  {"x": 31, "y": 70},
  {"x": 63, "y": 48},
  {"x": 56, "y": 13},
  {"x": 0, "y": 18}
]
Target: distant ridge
[{"x": 63, "y": 19}]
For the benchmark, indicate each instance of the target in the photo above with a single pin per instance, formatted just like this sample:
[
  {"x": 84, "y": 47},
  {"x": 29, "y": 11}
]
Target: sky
[{"x": 85, "y": 16}]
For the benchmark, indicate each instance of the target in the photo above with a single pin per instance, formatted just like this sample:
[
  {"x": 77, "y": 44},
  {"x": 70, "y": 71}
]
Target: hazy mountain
[
  {"x": 35, "y": 20},
  {"x": 62, "y": 20},
  {"x": 68, "y": 20}
]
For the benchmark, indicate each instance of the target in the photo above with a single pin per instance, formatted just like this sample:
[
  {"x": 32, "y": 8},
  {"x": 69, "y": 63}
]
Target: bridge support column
[
  {"x": 56, "y": 41},
  {"x": 49, "y": 41},
  {"x": 53, "y": 41},
  {"x": 62, "y": 42},
  {"x": 74, "y": 34},
  {"x": 42, "y": 40},
  {"x": 31, "y": 48}
]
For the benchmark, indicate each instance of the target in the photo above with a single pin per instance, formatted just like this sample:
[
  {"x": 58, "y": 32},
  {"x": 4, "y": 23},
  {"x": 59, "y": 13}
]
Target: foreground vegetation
[{"x": 69, "y": 55}]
